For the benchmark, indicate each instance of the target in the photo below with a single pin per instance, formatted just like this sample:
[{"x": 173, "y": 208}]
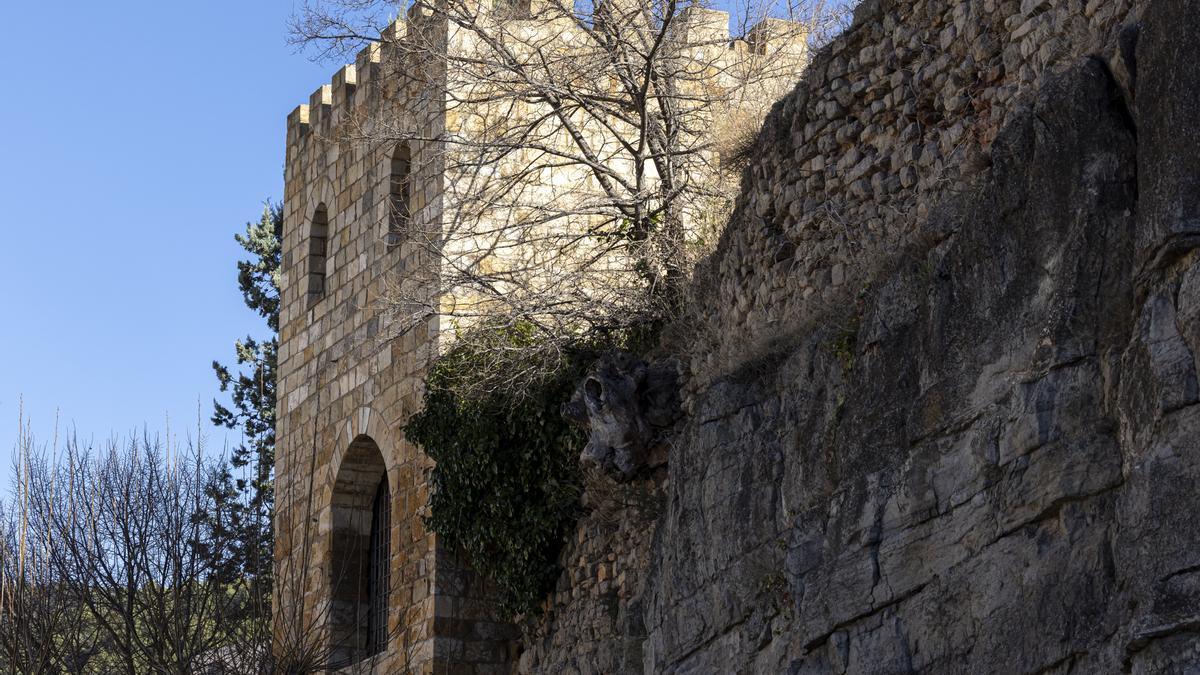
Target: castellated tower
[{"x": 370, "y": 183}]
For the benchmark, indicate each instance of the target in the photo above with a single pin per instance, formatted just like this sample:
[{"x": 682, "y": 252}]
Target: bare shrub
[{"x": 120, "y": 558}]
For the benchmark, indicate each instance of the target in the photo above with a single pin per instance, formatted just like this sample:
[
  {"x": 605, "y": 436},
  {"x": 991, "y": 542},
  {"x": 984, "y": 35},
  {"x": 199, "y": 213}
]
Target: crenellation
[
  {"x": 347, "y": 88},
  {"x": 367, "y": 61},
  {"x": 396, "y": 31},
  {"x": 319, "y": 103},
  {"x": 297, "y": 124},
  {"x": 344, "y": 83},
  {"x": 703, "y": 25}
]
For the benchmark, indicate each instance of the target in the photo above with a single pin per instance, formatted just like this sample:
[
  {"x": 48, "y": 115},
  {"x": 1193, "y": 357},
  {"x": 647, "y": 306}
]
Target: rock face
[
  {"x": 984, "y": 461},
  {"x": 948, "y": 498}
]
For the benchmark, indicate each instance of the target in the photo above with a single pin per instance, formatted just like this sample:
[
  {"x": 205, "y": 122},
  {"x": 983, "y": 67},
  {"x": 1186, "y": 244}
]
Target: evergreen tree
[{"x": 252, "y": 393}]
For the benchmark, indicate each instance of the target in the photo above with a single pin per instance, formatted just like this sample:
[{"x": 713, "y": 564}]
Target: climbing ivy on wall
[{"x": 507, "y": 479}]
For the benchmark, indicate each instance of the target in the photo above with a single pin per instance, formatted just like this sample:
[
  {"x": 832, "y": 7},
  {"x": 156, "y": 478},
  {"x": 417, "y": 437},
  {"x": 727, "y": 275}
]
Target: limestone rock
[{"x": 985, "y": 459}]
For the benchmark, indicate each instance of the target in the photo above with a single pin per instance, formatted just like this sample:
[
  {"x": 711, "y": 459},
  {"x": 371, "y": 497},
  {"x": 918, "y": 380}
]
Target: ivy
[{"x": 507, "y": 480}]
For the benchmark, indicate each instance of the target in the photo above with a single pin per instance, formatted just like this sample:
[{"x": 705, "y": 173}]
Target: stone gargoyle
[{"x": 625, "y": 404}]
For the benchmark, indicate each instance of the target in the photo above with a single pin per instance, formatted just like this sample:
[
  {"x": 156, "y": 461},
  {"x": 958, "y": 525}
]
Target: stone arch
[
  {"x": 318, "y": 199},
  {"x": 320, "y": 192},
  {"x": 360, "y": 551}
]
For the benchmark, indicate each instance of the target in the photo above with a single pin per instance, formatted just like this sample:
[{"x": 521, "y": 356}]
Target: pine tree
[{"x": 252, "y": 393}]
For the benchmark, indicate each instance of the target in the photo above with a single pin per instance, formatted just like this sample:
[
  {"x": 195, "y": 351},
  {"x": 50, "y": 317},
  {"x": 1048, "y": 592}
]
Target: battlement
[
  {"x": 711, "y": 26},
  {"x": 705, "y": 25},
  {"x": 340, "y": 92},
  {"x": 701, "y": 27}
]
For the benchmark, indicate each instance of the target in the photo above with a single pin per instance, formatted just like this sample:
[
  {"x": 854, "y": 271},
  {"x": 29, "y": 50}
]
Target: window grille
[{"x": 380, "y": 570}]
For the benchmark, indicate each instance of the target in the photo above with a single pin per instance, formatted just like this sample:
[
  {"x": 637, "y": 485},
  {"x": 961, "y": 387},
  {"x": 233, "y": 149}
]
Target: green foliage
[
  {"x": 507, "y": 480},
  {"x": 252, "y": 398},
  {"x": 843, "y": 345}
]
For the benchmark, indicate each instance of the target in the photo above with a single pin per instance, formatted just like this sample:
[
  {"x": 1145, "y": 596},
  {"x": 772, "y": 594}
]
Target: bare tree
[
  {"x": 41, "y": 629},
  {"x": 120, "y": 560},
  {"x": 119, "y": 548},
  {"x": 588, "y": 151}
]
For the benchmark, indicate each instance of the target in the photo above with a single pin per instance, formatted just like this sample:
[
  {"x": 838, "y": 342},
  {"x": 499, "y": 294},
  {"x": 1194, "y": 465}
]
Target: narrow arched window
[
  {"x": 318, "y": 252},
  {"x": 400, "y": 196},
  {"x": 512, "y": 9}
]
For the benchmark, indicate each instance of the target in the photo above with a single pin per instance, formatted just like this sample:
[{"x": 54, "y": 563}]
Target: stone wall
[
  {"x": 592, "y": 622},
  {"x": 896, "y": 114},
  {"x": 538, "y": 185},
  {"x": 943, "y": 415},
  {"x": 344, "y": 378}
]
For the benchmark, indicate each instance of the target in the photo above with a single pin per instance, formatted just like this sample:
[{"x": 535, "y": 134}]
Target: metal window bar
[
  {"x": 380, "y": 573},
  {"x": 400, "y": 202},
  {"x": 318, "y": 252}
]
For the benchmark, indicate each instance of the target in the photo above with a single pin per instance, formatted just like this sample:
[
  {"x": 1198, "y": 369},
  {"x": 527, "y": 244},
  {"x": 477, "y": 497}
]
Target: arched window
[
  {"x": 512, "y": 9},
  {"x": 400, "y": 196},
  {"x": 318, "y": 250},
  {"x": 360, "y": 556}
]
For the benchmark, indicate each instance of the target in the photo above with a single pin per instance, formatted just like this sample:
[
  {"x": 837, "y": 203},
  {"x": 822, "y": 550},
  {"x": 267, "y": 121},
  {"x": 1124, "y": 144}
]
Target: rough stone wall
[
  {"x": 985, "y": 460},
  {"x": 592, "y": 621},
  {"x": 897, "y": 113}
]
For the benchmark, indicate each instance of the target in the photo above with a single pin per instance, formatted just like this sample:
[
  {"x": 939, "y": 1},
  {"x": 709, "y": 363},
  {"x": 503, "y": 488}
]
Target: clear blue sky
[{"x": 135, "y": 138}]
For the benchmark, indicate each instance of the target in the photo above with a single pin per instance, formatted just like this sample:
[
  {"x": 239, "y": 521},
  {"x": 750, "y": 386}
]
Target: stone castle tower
[{"x": 363, "y": 587}]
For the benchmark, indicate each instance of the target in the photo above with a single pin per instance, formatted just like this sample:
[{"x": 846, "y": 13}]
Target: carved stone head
[{"x": 625, "y": 404}]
